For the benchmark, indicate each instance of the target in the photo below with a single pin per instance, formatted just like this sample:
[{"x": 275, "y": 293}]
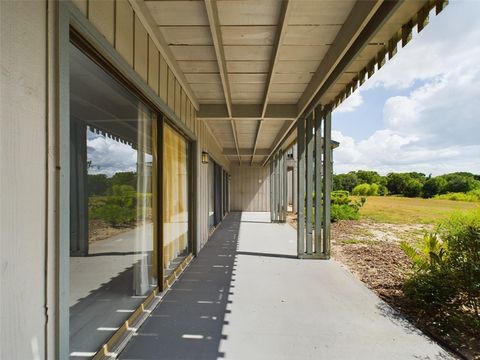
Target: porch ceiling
[{"x": 256, "y": 66}]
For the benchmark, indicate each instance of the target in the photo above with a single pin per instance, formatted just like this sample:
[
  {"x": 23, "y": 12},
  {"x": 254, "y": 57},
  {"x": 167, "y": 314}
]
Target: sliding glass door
[
  {"x": 113, "y": 258},
  {"x": 129, "y": 202}
]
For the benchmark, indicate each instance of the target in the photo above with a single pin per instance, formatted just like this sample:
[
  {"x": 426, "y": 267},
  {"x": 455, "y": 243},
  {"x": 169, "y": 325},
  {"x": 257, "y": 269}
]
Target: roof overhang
[{"x": 254, "y": 67}]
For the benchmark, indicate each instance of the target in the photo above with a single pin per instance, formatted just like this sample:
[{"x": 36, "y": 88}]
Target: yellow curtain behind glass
[{"x": 175, "y": 197}]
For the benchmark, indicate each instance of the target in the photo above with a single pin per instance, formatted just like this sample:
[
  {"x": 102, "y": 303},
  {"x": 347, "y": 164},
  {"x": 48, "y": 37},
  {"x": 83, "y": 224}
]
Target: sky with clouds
[
  {"x": 108, "y": 156},
  {"x": 421, "y": 111}
]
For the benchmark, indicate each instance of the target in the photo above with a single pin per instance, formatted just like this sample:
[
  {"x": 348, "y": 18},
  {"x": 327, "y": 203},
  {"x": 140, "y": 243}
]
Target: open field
[{"x": 401, "y": 210}]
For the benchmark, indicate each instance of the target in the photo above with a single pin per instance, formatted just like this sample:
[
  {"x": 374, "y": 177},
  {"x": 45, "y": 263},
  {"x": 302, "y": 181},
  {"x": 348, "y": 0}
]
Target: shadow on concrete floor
[{"x": 188, "y": 323}]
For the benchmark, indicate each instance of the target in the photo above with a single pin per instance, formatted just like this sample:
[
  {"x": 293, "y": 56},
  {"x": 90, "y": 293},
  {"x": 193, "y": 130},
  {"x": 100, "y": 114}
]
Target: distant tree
[
  {"x": 460, "y": 183},
  {"x": 345, "y": 181},
  {"x": 369, "y": 177},
  {"x": 413, "y": 188},
  {"x": 97, "y": 184},
  {"x": 417, "y": 176},
  {"x": 124, "y": 178},
  {"x": 434, "y": 186},
  {"x": 397, "y": 183}
]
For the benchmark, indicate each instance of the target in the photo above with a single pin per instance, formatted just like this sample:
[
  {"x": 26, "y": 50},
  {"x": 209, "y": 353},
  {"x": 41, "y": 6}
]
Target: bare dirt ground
[
  {"x": 99, "y": 230},
  {"x": 371, "y": 251}
]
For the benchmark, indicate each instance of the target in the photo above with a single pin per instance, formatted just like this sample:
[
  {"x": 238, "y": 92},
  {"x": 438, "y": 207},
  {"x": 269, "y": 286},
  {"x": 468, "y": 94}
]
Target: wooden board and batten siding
[{"x": 250, "y": 188}]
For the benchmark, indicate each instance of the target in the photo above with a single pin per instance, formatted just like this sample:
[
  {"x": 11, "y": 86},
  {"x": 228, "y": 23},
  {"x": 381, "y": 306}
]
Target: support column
[
  {"x": 314, "y": 184},
  {"x": 301, "y": 187},
  {"x": 285, "y": 186},
  {"x": 327, "y": 181},
  {"x": 318, "y": 180},
  {"x": 309, "y": 183},
  {"x": 294, "y": 181},
  {"x": 272, "y": 202}
]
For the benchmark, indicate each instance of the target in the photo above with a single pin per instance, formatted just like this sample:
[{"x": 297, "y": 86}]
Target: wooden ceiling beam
[{"x": 212, "y": 13}]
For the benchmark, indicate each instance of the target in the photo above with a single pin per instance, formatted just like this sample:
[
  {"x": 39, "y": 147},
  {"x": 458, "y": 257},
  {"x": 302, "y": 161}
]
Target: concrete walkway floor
[{"x": 246, "y": 296}]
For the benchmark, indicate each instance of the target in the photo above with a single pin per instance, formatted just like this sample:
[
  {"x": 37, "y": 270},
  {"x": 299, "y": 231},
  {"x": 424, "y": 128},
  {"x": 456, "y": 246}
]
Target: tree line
[{"x": 409, "y": 184}]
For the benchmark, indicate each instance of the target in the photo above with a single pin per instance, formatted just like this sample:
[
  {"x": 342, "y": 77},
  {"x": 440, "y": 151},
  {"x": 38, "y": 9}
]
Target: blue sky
[{"x": 421, "y": 111}]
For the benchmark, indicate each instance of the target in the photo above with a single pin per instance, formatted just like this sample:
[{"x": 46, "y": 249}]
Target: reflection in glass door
[{"x": 113, "y": 266}]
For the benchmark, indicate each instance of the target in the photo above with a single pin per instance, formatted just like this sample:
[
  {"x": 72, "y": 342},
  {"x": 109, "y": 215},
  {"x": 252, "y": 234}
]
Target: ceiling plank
[{"x": 212, "y": 13}]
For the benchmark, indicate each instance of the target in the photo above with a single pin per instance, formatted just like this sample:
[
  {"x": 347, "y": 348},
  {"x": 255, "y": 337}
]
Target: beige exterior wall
[
  {"x": 250, "y": 188},
  {"x": 23, "y": 179}
]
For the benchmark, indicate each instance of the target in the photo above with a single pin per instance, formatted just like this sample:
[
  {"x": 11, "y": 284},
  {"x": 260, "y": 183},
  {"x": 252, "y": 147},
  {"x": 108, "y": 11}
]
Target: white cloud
[
  {"x": 108, "y": 156},
  {"x": 435, "y": 127},
  {"x": 446, "y": 42},
  {"x": 386, "y": 151}
]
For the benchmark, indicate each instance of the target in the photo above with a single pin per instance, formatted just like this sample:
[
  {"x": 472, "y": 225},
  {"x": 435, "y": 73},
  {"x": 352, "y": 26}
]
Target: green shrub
[
  {"x": 471, "y": 196},
  {"x": 429, "y": 289},
  {"x": 340, "y": 197},
  {"x": 383, "y": 190},
  {"x": 343, "y": 212},
  {"x": 343, "y": 207},
  {"x": 447, "y": 271},
  {"x": 462, "y": 234},
  {"x": 366, "y": 190},
  {"x": 115, "y": 215},
  {"x": 361, "y": 190}
]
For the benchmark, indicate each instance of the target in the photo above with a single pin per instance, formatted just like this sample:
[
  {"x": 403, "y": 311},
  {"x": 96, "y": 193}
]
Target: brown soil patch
[{"x": 99, "y": 230}]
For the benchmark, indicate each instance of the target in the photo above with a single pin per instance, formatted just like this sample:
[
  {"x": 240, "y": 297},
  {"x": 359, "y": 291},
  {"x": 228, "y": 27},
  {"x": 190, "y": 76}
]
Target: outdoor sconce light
[{"x": 204, "y": 157}]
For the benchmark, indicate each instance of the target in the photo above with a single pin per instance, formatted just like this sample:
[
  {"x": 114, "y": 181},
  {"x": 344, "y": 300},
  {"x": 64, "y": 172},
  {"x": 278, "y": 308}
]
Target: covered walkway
[{"x": 247, "y": 296}]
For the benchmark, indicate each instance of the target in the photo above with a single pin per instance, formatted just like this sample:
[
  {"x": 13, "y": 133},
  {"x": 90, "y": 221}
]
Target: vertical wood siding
[
  {"x": 23, "y": 180},
  {"x": 250, "y": 188}
]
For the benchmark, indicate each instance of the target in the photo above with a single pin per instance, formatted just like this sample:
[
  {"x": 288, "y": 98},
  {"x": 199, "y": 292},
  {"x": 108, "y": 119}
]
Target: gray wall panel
[{"x": 250, "y": 188}]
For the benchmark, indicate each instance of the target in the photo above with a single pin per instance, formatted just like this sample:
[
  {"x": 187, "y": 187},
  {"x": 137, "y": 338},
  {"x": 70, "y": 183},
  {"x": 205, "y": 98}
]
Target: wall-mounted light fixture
[{"x": 204, "y": 157}]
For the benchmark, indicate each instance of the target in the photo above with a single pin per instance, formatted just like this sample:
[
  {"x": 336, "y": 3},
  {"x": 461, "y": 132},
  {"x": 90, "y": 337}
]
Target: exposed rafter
[
  {"x": 358, "y": 18},
  {"x": 247, "y": 112},
  {"x": 212, "y": 13},
  {"x": 256, "y": 140},
  {"x": 282, "y": 26},
  {"x": 245, "y": 152},
  {"x": 147, "y": 20}
]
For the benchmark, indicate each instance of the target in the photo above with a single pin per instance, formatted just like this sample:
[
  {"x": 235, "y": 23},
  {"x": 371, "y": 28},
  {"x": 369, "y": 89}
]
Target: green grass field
[{"x": 401, "y": 210}]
